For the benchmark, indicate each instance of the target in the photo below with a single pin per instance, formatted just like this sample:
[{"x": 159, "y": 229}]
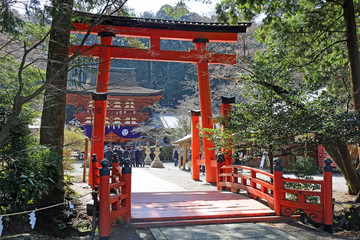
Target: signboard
[{"x": 121, "y": 131}]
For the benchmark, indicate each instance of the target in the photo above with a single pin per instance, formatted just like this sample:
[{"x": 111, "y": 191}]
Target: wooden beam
[{"x": 192, "y": 56}]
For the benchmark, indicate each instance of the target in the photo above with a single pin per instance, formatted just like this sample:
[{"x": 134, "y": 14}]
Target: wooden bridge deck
[{"x": 215, "y": 206}]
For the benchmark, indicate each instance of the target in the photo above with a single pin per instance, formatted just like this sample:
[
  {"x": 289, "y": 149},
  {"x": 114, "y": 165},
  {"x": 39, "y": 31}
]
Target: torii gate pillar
[
  {"x": 195, "y": 145},
  {"x": 100, "y": 98},
  {"x": 205, "y": 106}
]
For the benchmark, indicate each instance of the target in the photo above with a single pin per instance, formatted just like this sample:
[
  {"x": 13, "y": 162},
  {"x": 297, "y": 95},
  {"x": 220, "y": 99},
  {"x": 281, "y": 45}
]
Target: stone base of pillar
[
  {"x": 157, "y": 163},
  {"x": 148, "y": 161}
]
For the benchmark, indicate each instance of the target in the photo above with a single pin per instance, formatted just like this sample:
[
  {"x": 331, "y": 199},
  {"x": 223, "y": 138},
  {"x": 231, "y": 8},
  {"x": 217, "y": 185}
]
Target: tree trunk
[
  {"x": 53, "y": 115},
  {"x": 353, "y": 51},
  {"x": 354, "y": 59},
  {"x": 357, "y": 200},
  {"x": 351, "y": 173},
  {"x": 341, "y": 156}
]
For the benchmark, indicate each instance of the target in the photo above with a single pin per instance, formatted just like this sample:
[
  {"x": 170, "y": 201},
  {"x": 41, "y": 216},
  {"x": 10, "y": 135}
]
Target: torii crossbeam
[{"x": 200, "y": 33}]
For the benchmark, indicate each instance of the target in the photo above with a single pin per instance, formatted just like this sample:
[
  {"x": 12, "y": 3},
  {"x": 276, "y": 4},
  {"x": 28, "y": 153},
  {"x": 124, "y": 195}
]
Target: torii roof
[
  {"x": 133, "y": 91},
  {"x": 164, "y": 24},
  {"x": 165, "y": 29}
]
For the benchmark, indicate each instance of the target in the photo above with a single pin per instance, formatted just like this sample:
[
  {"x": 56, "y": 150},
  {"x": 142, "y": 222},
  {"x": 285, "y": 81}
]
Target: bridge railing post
[
  {"x": 220, "y": 159},
  {"x": 278, "y": 174},
  {"x": 115, "y": 168},
  {"x": 234, "y": 179},
  {"x": 115, "y": 177},
  {"x": 104, "y": 206},
  {"x": 126, "y": 176},
  {"x": 328, "y": 203},
  {"x": 94, "y": 171}
]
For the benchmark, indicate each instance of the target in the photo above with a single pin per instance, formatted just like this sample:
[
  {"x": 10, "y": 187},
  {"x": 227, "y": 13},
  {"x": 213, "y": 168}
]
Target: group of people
[
  {"x": 176, "y": 160},
  {"x": 136, "y": 156}
]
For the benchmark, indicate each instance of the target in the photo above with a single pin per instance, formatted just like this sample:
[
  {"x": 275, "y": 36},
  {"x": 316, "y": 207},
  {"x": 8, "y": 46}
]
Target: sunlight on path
[{"x": 146, "y": 182}]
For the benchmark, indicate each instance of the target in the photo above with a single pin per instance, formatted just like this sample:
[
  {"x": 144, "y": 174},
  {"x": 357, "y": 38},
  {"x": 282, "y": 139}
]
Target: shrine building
[{"x": 125, "y": 105}]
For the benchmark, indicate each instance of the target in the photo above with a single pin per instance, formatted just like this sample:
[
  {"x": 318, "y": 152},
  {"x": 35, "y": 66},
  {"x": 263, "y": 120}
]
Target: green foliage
[
  {"x": 31, "y": 33},
  {"x": 8, "y": 20},
  {"x": 20, "y": 134},
  {"x": 26, "y": 177},
  {"x": 177, "y": 11},
  {"x": 27, "y": 168},
  {"x": 348, "y": 219},
  {"x": 74, "y": 139},
  {"x": 166, "y": 154},
  {"x": 304, "y": 168},
  {"x": 10, "y": 84},
  {"x": 299, "y": 85},
  {"x": 9, "y": 81}
]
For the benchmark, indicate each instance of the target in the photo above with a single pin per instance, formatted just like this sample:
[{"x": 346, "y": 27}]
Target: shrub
[
  {"x": 303, "y": 168},
  {"x": 24, "y": 180}
]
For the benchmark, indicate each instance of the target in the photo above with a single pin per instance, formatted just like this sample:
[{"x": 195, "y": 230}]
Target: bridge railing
[
  {"x": 256, "y": 182},
  {"x": 114, "y": 187},
  {"x": 280, "y": 196}
]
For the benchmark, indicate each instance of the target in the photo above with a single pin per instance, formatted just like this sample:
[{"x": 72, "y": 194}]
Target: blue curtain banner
[{"x": 121, "y": 131}]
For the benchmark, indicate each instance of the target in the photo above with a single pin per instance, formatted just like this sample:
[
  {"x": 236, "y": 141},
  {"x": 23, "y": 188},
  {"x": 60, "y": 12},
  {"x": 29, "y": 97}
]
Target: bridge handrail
[
  {"x": 252, "y": 183},
  {"x": 303, "y": 192},
  {"x": 275, "y": 192},
  {"x": 297, "y": 180},
  {"x": 250, "y": 169}
]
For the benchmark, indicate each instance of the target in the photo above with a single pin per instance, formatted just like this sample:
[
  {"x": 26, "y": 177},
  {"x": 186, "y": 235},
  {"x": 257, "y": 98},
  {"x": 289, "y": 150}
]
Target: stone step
[{"x": 187, "y": 222}]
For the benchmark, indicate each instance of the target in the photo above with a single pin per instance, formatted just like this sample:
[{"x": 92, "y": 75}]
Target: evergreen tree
[{"x": 310, "y": 45}]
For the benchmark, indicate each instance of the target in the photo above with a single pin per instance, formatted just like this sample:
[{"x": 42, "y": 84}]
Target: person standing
[
  {"x": 126, "y": 154},
  {"x": 108, "y": 154},
  {"x": 137, "y": 157},
  {"x": 120, "y": 154},
  {"x": 132, "y": 157},
  {"x": 142, "y": 157},
  {"x": 176, "y": 158}
]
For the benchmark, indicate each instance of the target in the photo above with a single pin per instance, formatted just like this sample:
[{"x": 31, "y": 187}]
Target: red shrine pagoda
[{"x": 125, "y": 106}]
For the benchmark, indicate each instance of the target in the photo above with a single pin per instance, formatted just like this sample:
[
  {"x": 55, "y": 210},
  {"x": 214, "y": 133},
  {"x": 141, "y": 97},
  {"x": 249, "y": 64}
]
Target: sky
[{"x": 154, "y": 5}]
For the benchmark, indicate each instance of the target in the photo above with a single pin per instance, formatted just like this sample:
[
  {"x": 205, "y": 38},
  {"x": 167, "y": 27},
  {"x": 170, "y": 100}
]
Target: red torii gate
[
  {"x": 200, "y": 34},
  {"x": 108, "y": 27}
]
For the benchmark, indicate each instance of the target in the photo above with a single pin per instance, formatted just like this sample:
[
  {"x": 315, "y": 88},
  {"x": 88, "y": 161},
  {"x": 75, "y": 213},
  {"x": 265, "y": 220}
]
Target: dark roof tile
[{"x": 163, "y": 24}]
